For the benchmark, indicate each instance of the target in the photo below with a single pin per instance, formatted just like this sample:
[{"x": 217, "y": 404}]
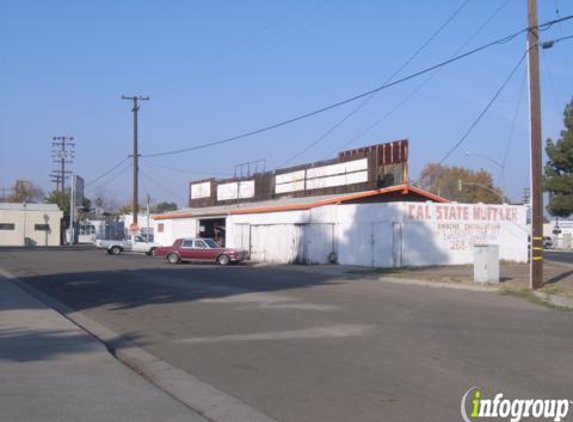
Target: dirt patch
[{"x": 558, "y": 278}]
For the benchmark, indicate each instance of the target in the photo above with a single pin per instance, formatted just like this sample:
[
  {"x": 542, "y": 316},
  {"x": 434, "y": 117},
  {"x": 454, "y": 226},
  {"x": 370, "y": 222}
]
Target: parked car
[
  {"x": 547, "y": 242},
  {"x": 137, "y": 244},
  {"x": 200, "y": 249}
]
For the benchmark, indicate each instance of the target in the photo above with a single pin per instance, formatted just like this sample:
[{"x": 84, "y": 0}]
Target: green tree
[
  {"x": 164, "y": 207},
  {"x": 62, "y": 200},
  {"x": 128, "y": 209},
  {"x": 460, "y": 184},
  {"x": 558, "y": 180}
]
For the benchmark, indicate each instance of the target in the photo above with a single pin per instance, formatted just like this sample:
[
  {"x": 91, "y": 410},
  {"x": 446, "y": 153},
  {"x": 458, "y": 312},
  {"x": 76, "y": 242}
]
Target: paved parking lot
[{"x": 304, "y": 346}]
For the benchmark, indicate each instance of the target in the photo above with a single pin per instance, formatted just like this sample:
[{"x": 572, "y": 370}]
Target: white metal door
[
  {"x": 382, "y": 245},
  {"x": 277, "y": 243},
  {"x": 319, "y": 243}
]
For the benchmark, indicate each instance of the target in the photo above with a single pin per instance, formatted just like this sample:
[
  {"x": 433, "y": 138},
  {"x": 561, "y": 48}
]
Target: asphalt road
[
  {"x": 303, "y": 346},
  {"x": 566, "y": 257}
]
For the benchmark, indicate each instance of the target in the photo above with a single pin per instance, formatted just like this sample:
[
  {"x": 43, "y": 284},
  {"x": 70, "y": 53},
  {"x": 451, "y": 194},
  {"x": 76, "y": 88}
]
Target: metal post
[
  {"x": 72, "y": 208},
  {"x": 536, "y": 273},
  {"x": 147, "y": 230},
  {"x": 25, "y": 242}
]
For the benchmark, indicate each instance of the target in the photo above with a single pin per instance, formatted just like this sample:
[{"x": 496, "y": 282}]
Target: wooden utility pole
[
  {"x": 62, "y": 153},
  {"x": 536, "y": 253},
  {"x": 136, "y": 99}
]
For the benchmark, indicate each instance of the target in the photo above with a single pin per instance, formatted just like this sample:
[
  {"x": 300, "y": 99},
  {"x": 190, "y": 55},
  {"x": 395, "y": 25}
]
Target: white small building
[
  {"x": 30, "y": 224},
  {"x": 144, "y": 221},
  {"x": 90, "y": 229},
  {"x": 389, "y": 227}
]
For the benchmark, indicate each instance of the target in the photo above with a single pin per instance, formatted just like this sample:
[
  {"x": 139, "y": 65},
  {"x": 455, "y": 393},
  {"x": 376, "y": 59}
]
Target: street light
[
  {"x": 494, "y": 162},
  {"x": 502, "y": 196}
]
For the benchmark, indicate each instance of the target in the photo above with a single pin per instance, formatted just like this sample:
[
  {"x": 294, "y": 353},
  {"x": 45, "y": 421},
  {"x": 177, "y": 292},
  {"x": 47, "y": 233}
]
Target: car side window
[
  {"x": 139, "y": 239},
  {"x": 187, "y": 244},
  {"x": 199, "y": 244}
]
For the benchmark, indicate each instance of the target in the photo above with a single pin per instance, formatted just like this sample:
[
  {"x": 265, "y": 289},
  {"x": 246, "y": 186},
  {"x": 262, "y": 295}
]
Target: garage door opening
[{"x": 213, "y": 228}]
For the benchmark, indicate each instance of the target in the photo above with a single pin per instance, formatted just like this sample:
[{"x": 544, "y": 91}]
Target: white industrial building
[
  {"x": 389, "y": 227},
  {"x": 30, "y": 224}
]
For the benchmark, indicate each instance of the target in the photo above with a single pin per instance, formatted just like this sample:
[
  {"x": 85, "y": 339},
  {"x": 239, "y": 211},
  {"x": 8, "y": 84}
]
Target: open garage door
[{"x": 213, "y": 228}]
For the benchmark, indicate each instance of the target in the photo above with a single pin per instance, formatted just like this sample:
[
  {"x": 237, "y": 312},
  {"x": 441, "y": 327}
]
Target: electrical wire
[
  {"x": 512, "y": 129},
  {"x": 145, "y": 174},
  {"x": 567, "y": 55},
  {"x": 185, "y": 171},
  {"x": 485, "y": 110},
  {"x": 417, "y": 89},
  {"x": 499, "y": 41},
  {"x": 369, "y": 98},
  {"x": 107, "y": 172},
  {"x": 547, "y": 66},
  {"x": 110, "y": 180}
]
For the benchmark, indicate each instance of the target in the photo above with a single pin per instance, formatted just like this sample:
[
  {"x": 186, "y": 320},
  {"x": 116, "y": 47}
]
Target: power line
[
  {"x": 560, "y": 26},
  {"x": 145, "y": 174},
  {"x": 424, "y": 82},
  {"x": 107, "y": 172},
  {"x": 112, "y": 179},
  {"x": 513, "y": 123},
  {"x": 356, "y": 97},
  {"x": 370, "y": 97},
  {"x": 485, "y": 110},
  {"x": 185, "y": 171}
]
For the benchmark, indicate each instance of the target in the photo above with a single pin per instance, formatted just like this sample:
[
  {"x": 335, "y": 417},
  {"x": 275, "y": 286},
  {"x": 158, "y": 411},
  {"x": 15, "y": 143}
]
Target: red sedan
[{"x": 200, "y": 249}]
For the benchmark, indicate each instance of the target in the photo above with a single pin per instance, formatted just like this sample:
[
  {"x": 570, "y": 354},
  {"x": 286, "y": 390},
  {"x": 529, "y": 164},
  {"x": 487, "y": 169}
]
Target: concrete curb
[
  {"x": 558, "y": 263},
  {"x": 561, "y": 301},
  {"x": 439, "y": 284},
  {"x": 199, "y": 396}
]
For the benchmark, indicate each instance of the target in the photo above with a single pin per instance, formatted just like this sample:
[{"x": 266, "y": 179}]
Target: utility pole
[
  {"x": 536, "y": 271},
  {"x": 136, "y": 99},
  {"x": 62, "y": 154},
  {"x": 147, "y": 225}
]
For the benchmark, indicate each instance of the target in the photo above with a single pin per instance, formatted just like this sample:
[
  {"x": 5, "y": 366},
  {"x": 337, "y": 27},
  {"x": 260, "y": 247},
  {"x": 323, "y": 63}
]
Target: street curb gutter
[
  {"x": 563, "y": 302},
  {"x": 199, "y": 396},
  {"x": 560, "y": 301},
  {"x": 438, "y": 284}
]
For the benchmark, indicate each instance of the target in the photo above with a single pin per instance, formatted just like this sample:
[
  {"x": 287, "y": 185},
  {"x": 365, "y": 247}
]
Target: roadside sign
[
  {"x": 78, "y": 191},
  {"x": 133, "y": 228}
]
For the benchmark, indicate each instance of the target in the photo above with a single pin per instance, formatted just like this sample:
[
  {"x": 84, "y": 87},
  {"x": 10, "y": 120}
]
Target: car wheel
[
  {"x": 173, "y": 258},
  {"x": 116, "y": 250},
  {"x": 150, "y": 252},
  {"x": 223, "y": 259}
]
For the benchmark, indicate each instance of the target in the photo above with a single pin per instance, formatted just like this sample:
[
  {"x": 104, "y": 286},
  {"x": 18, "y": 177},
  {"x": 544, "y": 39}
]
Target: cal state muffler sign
[{"x": 477, "y": 406}]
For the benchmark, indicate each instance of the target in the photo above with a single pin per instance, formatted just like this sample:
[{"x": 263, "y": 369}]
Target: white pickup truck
[{"x": 136, "y": 244}]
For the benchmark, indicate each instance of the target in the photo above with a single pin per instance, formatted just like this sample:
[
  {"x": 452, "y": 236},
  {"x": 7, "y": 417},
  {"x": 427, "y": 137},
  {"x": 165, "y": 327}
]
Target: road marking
[
  {"x": 302, "y": 306},
  {"x": 264, "y": 300},
  {"x": 257, "y": 297},
  {"x": 334, "y": 331}
]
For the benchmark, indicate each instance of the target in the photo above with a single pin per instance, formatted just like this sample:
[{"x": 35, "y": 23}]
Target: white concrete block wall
[{"x": 383, "y": 235}]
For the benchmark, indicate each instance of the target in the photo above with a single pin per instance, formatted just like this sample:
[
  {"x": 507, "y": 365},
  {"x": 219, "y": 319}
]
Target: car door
[
  {"x": 139, "y": 244},
  {"x": 186, "y": 251},
  {"x": 203, "y": 251}
]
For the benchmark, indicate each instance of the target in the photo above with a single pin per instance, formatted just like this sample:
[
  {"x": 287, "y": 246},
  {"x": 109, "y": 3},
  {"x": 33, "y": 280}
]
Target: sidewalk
[{"x": 51, "y": 370}]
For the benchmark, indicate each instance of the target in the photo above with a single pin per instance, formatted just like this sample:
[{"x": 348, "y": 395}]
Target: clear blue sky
[{"x": 214, "y": 69}]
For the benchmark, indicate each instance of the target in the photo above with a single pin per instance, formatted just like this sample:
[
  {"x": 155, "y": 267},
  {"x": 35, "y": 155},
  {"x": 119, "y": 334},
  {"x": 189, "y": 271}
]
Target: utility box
[{"x": 486, "y": 263}]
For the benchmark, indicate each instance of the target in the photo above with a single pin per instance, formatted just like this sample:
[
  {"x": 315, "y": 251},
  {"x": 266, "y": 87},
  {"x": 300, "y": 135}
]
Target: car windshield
[{"x": 211, "y": 243}]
